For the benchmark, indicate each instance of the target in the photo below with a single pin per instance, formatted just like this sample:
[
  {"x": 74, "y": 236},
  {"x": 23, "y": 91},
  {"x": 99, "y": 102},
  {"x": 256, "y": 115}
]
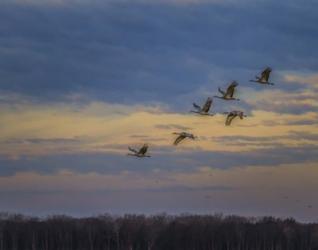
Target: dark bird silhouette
[
  {"x": 231, "y": 115},
  {"x": 229, "y": 93},
  {"x": 182, "y": 136},
  {"x": 205, "y": 109},
  {"x": 139, "y": 153},
  {"x": 264, "y": 77}
]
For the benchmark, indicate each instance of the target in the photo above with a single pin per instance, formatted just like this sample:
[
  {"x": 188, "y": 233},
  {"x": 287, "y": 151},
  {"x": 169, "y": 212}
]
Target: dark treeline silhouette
[{"x": 138, "y": 232}]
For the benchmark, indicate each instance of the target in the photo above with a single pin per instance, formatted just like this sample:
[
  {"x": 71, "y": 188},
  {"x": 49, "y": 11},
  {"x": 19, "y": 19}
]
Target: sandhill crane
[
  {"x": 182, "y": 136},
  {"x": 139, "y": 153},
  {"x": 231, "y": 115},
  {"x": 205, "y": 109},
  {"x": 229, "y": 93},
  {"x": 264, "y": 77}
]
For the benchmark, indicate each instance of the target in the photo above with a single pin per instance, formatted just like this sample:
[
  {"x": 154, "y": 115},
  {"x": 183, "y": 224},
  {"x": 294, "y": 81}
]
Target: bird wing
[
  {"x": 207, "y": 105},
  {"x": 179, "y": 139},
  {"x": 230, "y": 90},
  {"x": 221, "y": 91},
  {"x": 265, "y": 75},
  {"x": 133, "y": 150},
  {"x": 229, "y": 119},
  {"x": 196, "y": 106},
  {"x": 143, "y": 150}
]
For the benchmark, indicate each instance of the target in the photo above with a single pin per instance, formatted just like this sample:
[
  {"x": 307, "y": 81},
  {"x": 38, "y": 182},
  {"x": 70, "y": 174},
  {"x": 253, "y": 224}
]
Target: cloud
[
  {"x": 75, "y": 93},
  {"x": 30, "y": 130},
  {"x": 158, "y": 53},
  {"x": 171, "y": 126},
  {"x": 311, "y": 80},
  {"x": 42, "y": 141},
  {"x": 171, "y": 161},
  {"x": 247, "y": 191},
  {"x": 268, "y": 141},
  {"x": 282, "y": 101},
  {"x": 148, "y": 2},
  {"x": 86, "y": 2}
]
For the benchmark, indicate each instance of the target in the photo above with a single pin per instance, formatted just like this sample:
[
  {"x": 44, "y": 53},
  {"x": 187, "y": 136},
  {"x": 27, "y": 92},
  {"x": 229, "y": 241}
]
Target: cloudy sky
[{"x": 81, "y": 80}]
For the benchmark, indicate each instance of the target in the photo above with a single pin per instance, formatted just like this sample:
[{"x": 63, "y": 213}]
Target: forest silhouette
[{"x": 140, "y": 232}]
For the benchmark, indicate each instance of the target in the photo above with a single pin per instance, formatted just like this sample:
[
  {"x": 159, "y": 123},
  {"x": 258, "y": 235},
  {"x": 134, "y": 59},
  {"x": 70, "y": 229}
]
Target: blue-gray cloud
[
  {"x": 188, "y": 161},
  {"x": 42, "y": 141},
  {"x": 135, "y": 52},
  {"x": 271, "y": 141}
]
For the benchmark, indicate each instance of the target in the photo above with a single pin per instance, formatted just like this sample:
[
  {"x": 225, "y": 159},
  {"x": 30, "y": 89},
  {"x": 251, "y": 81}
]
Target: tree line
[{"x": 157, "y": 232}]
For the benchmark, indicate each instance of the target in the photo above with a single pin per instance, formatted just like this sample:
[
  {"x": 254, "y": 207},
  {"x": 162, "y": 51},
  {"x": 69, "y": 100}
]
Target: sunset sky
[{"x": 82, "y": 80}]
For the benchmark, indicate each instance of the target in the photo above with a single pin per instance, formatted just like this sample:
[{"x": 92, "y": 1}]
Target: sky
[{"x": 81, "y": 80}]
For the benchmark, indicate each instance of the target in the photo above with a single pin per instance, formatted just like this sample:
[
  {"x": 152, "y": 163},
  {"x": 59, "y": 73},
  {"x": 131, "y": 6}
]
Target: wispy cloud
[
  {"x": 310, "y": 80},
  {"x": 171, "y": 127},
  {"x": 282, "y": 101},
  {"x": 29, "y": 129},
  {"x": 248, "y": 191}
]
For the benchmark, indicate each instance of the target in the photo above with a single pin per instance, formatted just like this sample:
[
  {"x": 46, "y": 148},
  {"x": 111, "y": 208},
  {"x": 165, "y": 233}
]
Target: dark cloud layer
[
  {"x": 163, "y": 159},
  {"x": 132, "y": 52},
  {"x": 44, "y": 141},
  {"x": 268, "y": 141}
]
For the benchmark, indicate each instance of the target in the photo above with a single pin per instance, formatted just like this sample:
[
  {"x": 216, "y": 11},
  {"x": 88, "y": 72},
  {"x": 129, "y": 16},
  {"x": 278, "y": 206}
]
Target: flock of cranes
[{"x": 227, "y": 95}]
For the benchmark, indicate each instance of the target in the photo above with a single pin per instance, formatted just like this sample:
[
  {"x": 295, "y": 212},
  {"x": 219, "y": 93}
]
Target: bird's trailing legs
[
  {"x": 266, "y": 83},
  {"x": 227, "y": 98},
  {"x": 202, "y": 113}
]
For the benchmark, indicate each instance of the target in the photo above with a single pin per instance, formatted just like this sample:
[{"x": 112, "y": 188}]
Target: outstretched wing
[
  {"x": 229, "y": 119},
  {"x": 207, "y": 105},
  {"x": 196, "y": 106},
  {"x": 265, "y": 74},
  {"x": 230, "y": 90},
  {"x": 221, "y": 91},
  {"x": 143, "y": 150},
  {"x": 179, "y": 139},
  {"x": 133, "y": 150}
]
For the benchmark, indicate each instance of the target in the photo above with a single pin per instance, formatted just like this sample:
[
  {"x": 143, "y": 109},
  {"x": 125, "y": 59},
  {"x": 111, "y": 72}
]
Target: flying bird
[
  {"x": 182, "y": 136},
  {"x": 205, "y": 109},
  {"x": 264, "y": 77},
  {"x": 139, "y": 153},
  {"x": 231, "y": 115},
  {"x": 229, "y": 93}
]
